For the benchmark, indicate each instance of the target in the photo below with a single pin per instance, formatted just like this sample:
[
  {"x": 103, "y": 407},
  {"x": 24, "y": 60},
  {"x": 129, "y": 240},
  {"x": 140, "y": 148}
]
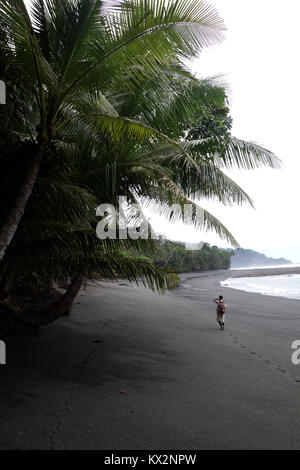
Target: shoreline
[
  {"x": 224, "y": 275},
  {"x": 248, "y": 272},
  {"x": 266, "y": 272}
]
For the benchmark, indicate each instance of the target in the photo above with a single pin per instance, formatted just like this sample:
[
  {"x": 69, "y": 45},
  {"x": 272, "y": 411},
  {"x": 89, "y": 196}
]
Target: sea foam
[{"x": 287, "y": 285}]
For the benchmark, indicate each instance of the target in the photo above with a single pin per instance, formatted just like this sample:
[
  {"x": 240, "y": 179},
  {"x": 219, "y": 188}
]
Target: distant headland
[{"x": 245, "y": 258}]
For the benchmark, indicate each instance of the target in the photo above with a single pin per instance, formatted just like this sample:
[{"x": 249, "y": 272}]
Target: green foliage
[
  {"x": 210, "y": 121},
  {"x": 174, "y": 257}
]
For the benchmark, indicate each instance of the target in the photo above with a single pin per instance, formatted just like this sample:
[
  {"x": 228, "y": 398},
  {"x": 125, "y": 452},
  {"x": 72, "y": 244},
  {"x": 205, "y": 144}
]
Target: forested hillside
[
  {"x": 246, "y": 258},
  {"x": 174, "y": 257}
]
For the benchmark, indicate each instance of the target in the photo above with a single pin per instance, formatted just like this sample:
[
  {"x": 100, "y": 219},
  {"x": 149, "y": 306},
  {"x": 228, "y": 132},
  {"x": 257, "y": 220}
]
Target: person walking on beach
[{"x": 221, "y": 309}]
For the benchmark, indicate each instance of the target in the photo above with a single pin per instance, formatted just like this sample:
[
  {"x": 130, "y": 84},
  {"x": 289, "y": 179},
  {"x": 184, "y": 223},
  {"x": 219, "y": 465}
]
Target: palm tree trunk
[
  {"x": 63, "y": 305},
  {"x": 12, "y": 221},
  {"x": 4, "y": 284},
  {"x": 29, "y": 323}
]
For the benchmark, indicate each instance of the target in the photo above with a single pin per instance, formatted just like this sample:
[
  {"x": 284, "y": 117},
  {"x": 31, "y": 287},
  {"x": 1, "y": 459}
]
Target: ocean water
[{"x": 287, "y": 285}]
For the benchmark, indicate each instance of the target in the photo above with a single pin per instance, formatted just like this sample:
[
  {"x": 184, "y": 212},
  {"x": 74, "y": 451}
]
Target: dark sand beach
[{"x": 162, "y": 376}]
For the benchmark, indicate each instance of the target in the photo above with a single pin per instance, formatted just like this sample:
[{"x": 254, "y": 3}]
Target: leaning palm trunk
[
  {"x": 64, "y": 304},
  {"x": 12, "y": 221},
  {"x": 27, "y": 320},
  {"x": 4, "y": 284},
  {"x": 55, "y": 309}
]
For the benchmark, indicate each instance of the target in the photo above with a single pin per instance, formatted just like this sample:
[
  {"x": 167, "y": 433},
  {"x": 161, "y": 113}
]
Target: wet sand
[
  {"x": 264, "y": 272},
  {"x": 162, "y": 376}
]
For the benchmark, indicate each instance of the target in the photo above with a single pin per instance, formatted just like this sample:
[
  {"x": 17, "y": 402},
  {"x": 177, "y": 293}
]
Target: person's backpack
[{"x": 221, "y": 307}]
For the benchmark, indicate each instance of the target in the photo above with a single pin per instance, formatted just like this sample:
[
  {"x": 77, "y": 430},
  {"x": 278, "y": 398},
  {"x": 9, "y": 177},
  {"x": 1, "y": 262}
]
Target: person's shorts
[{"x": 221, "y": 317}]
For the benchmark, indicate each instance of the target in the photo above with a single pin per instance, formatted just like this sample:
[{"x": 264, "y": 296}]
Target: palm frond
[
  {"x": 143, "y": 34},
  {"x": 205, "y": 180},
  {"x": 229, "y": 152},
  {"x": 196, "y": 215}
]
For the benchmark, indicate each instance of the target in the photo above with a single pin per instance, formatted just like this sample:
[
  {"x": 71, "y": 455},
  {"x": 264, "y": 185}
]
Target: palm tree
[
  {"x": 57, "y": 235},
  {"x": 76, "y": 149},
  {"x": 57, "y": 239},
  {"x": 65, "y": 49}
]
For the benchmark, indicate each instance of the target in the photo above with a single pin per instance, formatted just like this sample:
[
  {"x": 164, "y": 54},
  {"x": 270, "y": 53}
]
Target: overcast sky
[{"x": 260, "y": 60}]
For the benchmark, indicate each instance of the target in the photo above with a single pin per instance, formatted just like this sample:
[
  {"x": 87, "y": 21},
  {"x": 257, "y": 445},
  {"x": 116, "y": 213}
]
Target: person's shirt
[{"x": 218, "y": 301}]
